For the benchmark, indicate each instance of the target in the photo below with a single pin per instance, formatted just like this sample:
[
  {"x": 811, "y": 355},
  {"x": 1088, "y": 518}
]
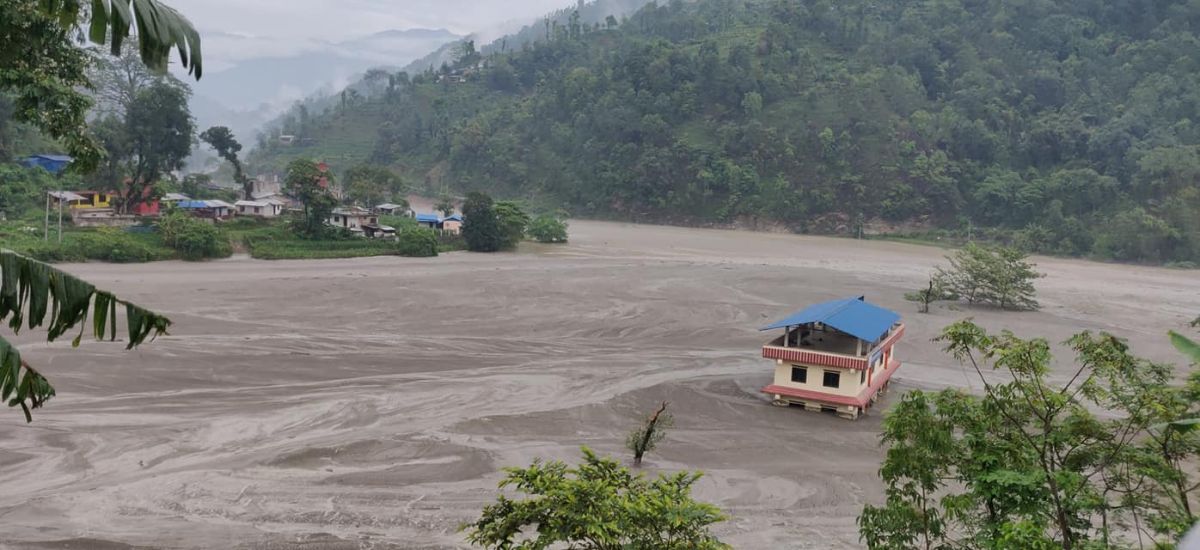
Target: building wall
[
  {"x": 452, "y": 226},
  {"x": 849, "y": 385}
]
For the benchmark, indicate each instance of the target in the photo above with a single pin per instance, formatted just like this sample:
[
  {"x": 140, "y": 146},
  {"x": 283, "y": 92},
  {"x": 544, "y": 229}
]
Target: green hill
[{"x": 1068, "y": 127}]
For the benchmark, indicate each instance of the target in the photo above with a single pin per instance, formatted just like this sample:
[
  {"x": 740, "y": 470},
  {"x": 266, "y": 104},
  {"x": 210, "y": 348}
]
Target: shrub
[
  {"x": 193, "y": 238},
  {"x": 548, "y": 229},
  {"x": 418, "y": 242}
]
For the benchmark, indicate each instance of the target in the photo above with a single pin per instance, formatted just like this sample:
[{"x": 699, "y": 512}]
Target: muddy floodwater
[{"x": 372, "y": 403}]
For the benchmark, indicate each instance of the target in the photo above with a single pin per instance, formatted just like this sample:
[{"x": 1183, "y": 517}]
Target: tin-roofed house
[
  {"x": 451, "y": 224},
  {"x": 207, "y": 209},
  {"x": 427, "y": 220},
  {"x": 834, "y": 356}
]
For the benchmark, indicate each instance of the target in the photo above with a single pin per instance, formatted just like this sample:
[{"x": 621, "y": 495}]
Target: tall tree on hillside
[
  {"x": 41, "y": 65},
  {"x": 221, "y": 139}
]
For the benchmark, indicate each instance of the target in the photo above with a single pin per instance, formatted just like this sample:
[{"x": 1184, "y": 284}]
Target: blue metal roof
[
  {"x": 456, "y": 217},
  {"x": 427, "y": 218},
  {"x": 854, "y": 316}
]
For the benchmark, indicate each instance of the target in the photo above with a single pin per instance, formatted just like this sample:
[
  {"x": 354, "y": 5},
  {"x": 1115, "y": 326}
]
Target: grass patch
[
  {"x": 107, "y": 244},
  {"x": 313, "y": 250}
]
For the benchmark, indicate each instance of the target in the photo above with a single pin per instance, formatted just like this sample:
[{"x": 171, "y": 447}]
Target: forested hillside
[{"x": 1067, "y": 127}]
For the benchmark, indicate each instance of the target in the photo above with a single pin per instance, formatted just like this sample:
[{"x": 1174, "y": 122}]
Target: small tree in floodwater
[
  {"x": 934, "y": 292},
  {"x": 648, "y": 435}
]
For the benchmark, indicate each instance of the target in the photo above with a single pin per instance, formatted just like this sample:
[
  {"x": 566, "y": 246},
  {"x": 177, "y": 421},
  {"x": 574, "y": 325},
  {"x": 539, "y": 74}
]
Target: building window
[
  {"x": 832, "y": 379},
  {"x": 800, "y": 375}
]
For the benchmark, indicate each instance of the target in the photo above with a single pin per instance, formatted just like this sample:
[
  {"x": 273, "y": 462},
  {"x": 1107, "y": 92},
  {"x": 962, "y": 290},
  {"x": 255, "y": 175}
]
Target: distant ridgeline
[{"x": 1067, "y": 127}]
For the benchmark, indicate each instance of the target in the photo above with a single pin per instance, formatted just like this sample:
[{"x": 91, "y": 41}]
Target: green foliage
[
  {"x": 193, "y": 238},
  {"x": 31, "y": 290},
  {"x": 23, "y": 190},
  {"x": 369, "y": 185},
  {"x": 512, "y": 222},
  {"x": 481, "y": 226},
  {"x": 918, "y": 114},
  {"x": 1000, "y": 276},
  {"x": 596, "y": 505},
  {"x": 417, "y": 242},
  {"x": 1029, "y": 464},
  {"x": 42, "y": 66},
  {"x": 310, "y": 185},
  {"x": 548, "y": 229}
]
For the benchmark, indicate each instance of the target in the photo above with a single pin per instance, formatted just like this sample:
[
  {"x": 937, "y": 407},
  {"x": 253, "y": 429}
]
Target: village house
[
  {"x": 428, "y": 220},
  {"x": 207, "y": 209},
  {"x": 451, "y": 224},
  {"x": 392, "y": 209},
  {"x": 360, "y": 220},
  {"x": 834, "y": 356},
  {"x": 267, "y": 208}
]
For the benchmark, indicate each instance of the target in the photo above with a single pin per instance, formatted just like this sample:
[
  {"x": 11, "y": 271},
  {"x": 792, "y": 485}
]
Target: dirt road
[{"x": 371, "y": 403}]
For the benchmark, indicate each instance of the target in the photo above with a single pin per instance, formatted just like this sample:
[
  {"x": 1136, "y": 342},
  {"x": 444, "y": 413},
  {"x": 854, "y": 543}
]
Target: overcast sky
[{"x": 274, "y": 27}]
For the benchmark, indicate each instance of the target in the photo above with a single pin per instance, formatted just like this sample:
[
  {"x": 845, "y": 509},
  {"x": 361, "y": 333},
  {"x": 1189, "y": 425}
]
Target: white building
[{"x": 267, "y": 208}]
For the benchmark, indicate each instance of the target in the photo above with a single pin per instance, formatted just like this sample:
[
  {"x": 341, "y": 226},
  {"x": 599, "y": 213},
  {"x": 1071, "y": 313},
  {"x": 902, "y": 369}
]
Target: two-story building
[{"x": 834, "y": 356}]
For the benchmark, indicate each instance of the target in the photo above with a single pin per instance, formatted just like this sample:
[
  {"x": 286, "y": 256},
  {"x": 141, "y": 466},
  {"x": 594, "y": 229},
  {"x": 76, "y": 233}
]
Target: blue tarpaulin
[
  {"x": 52, "y": 163},
  {"x": 853, "y": 316}
]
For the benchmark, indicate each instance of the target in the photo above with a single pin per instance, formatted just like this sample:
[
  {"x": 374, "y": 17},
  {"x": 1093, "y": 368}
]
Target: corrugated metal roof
[
  {"x": 456, "y": 217},
  {"x": 55, "y": 158},
  {"x": 259, "y": 204},
  {"x": 67, "y": 196},
  {"x": 176, "y": 197},
  {"x": 427, "y": 218},
  {"x": 854, "y": 316}
]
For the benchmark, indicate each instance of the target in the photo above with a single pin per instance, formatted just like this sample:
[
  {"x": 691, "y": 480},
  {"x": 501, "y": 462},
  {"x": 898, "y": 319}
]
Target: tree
[
  {"x": 43, "y": 68},
  {"x": 481, "y": 226},
  {"x": 370, "y": 185},
  {"x": 647, "y": 436},
  {"x": 309, "y": 183},
  {"x": 445, "y": 205},
  {"x": 1029, "y": 464},
  {"x": 30, "y": 289},
  {"x": 512, "y": 223},
  {"x": 1000, "y": 276},
  {"x": 160, "y": 131},
  {"x": 221, "y": 139},
  {"x": 596, "y": 505},
  {"x": 548, "y": 229}
]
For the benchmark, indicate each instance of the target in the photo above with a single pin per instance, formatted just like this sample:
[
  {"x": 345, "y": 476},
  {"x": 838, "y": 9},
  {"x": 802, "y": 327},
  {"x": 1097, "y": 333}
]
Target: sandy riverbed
[{"x": 371, "y": 403}]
